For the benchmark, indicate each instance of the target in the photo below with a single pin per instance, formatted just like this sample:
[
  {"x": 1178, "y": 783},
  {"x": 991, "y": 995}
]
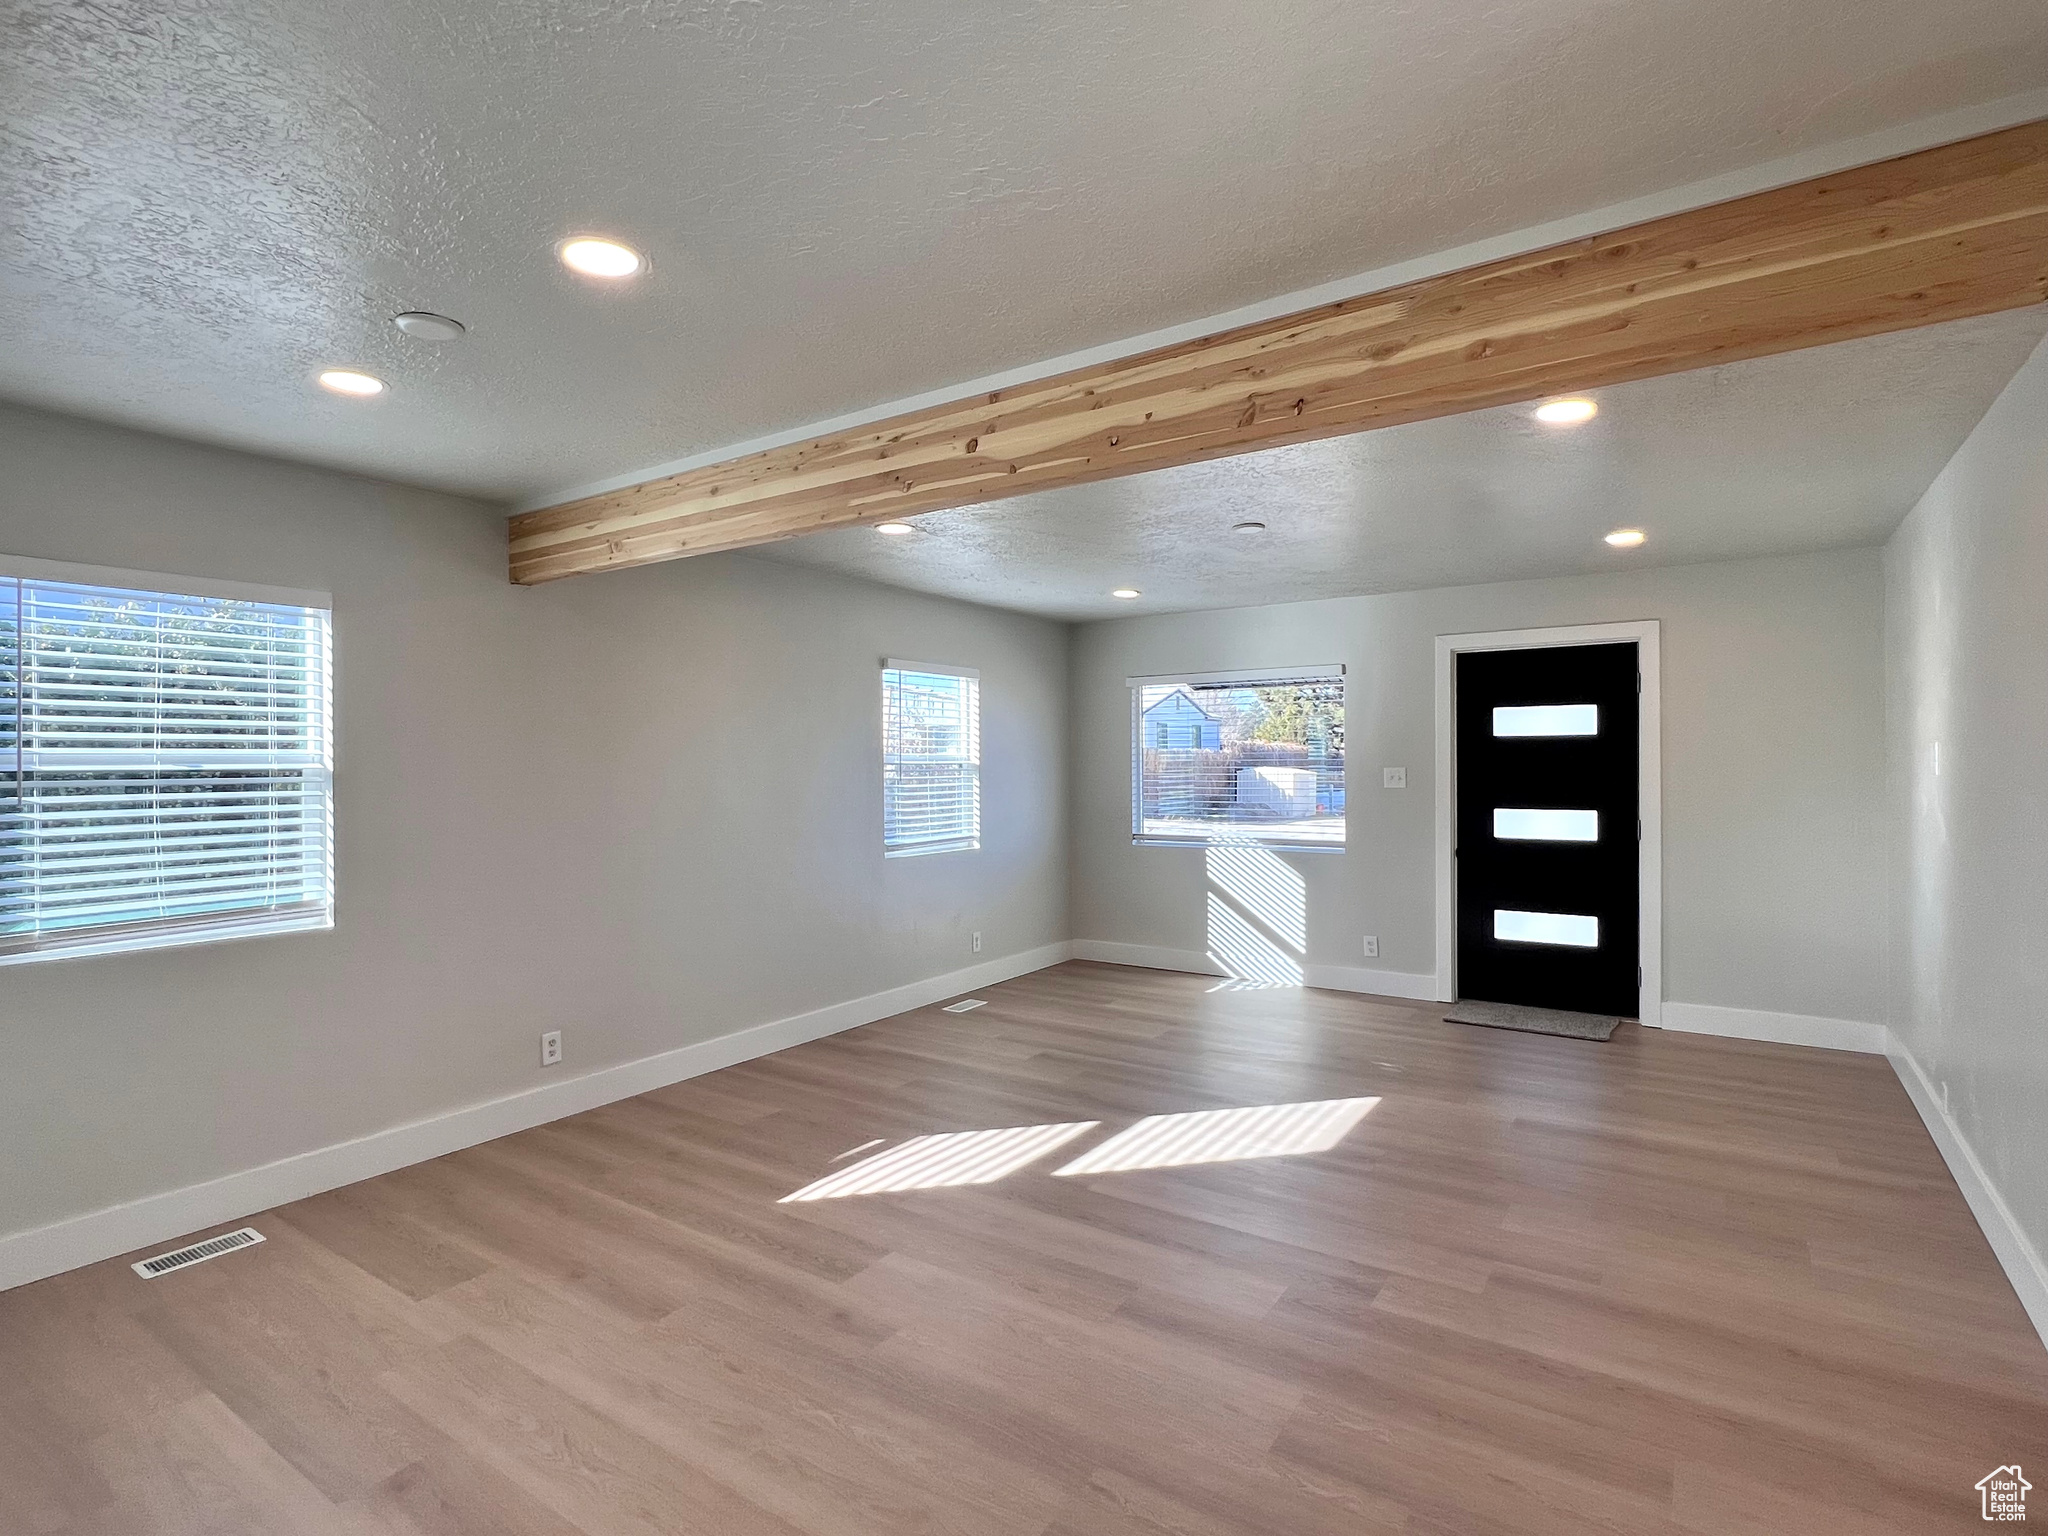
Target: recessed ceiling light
[
  {"x": 894, "y": 529},
  {"x": 1126, "y": 593},
  {"x": 1626, "y": 538},
  {"x": 1252, "y": 527},
  {"x": 346, "y": 381},
  {"x": 421, "y": 326},
  {"x": 1566, "y": 413},
  {"x": 600, "y": 258}
]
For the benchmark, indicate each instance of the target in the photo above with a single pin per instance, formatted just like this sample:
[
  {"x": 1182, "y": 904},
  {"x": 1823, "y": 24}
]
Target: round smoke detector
[{"x": 419, "y": 324}]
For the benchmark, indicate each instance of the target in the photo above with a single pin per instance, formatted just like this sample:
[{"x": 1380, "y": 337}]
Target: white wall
[
  {"x": 1773, "y": 771},
  {"x": 1967, "y": 672},
  {"x": 642, "y": 808}
]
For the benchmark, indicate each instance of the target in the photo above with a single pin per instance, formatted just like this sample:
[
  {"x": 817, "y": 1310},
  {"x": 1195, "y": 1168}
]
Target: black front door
[{"x": 1546, "y": 827}]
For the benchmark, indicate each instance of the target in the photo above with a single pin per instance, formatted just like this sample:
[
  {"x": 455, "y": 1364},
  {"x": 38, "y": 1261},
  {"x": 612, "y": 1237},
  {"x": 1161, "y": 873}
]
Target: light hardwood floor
[{"x": 1670, "y": 1283}]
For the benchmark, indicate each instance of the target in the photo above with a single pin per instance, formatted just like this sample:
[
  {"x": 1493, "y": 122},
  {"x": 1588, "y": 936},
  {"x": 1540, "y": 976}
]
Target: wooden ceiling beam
[{"x": 1939, "y": 235}]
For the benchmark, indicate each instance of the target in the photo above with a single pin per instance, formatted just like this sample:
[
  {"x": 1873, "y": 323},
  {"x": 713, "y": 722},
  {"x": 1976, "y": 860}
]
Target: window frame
[
  {"x": 971, "y": 841},
  {"x": 1240, "y": 677},
  {"x": 144, "y": 934}
]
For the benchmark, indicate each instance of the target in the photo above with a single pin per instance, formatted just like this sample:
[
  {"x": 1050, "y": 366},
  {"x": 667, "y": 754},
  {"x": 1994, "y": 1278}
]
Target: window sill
[
  {"x": 966, "y": 846},
  {"x": 116, "y": 943}
]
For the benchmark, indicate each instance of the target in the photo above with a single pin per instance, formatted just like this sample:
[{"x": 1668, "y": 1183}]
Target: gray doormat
[{"x": 1534, "y": 1021}]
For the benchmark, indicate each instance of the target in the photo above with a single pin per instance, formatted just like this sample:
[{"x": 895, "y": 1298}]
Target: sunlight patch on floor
[
  {"x": 1223, "y": 1136},
  {"x": 944, "y": 1161},
  {"x": 954, "y": 1159}
]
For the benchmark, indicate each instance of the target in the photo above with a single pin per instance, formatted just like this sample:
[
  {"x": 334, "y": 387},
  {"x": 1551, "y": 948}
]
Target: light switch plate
[{"x": 1394, "y": 778}]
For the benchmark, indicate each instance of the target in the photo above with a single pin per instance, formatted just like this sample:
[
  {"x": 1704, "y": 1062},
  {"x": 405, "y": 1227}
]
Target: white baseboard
[
  {"x": 1150, "y": 956},
  {"x": 2018, "y": 1257},
  {"x": 1337, "y": 978},
  {"x": 1352, "y": 978},
  {"x": 1779, "y": 1028},
  {"x": 49, "y": 1250}
]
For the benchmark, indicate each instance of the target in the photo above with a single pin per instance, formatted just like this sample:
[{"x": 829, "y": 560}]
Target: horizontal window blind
[
  {"x": 1243, "y": 757},
  {"x": 165, "y": 767},
  {"x": 931, "y": 760}
]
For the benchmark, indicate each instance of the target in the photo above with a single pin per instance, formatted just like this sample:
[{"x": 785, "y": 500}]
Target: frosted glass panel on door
[
  {"x": 1546, "y": 720},
  {"x": 1543, "y": 826},
  {"x": 1570, "y": 928}
]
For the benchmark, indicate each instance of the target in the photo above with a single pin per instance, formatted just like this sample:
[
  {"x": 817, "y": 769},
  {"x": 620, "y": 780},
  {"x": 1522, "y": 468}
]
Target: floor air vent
[
  {"x": 198, "y": 1253},
  {"x": 966, "y": 1006}
]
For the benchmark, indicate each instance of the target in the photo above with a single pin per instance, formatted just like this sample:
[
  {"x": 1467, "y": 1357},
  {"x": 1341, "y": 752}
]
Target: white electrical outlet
[
  {"x": 551, "y": 1048},
  {"x": 977, "y": 943},
  {"x": 1372, "y": 946},
  {"x": 1393, "y": 778}
]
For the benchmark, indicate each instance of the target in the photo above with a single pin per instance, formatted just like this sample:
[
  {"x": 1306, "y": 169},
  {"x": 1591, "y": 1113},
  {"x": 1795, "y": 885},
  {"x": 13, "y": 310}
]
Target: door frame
[{"x": 1646, "y": 633}]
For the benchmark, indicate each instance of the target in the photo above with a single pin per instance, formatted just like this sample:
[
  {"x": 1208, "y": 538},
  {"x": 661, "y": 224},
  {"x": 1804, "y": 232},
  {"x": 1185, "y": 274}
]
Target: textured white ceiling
[
  {"x": 1812, "y": 450},
  {"x": 846, "y": 201}
]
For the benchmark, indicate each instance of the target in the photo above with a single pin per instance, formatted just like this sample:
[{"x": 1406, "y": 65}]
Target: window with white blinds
[
  {"x": 166, "y": 769},
  {"x": 1236, "y": 757},
  {"x": 931, "y": 758}
]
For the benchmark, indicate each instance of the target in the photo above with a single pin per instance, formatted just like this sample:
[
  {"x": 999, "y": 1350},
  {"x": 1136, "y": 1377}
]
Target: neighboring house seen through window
[
  {"x": 166, "y": 769},
  {"x": 931, "y": 758},
  {"x": 1240, "y": 757}
]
